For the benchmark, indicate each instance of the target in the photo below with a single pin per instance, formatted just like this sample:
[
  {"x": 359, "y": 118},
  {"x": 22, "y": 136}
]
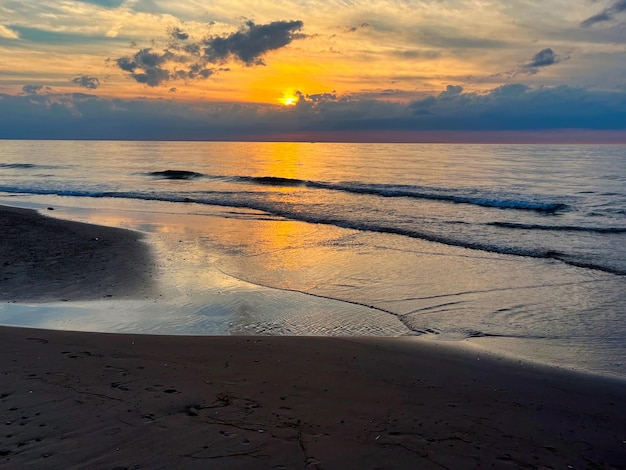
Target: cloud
[
  {"x": 8, "y": 33},
  {"x": 520, "y": 107},
  {"x": 451, "y": 91},
  {"x": 513, "y": 107},
  {"x": 511, "y": 91},
  {"x": 417, "y": 54},
  {"x": 32, "y": 89},
  {"x": 354, "y": 29},
  {"x": 320, "y": 97},
  {"x": 313, "y": 103},
  {"x": 148, "y": 67},
  {"x": 183, "y": 59},
  {"x": 104, "y": 3},
  {"x": 252, "y": 42},
  {"x": 544, "y": 58},
  {"x": 447, "y": 36},
  {"x": 90, "y": 83},
  {"x": 179, "y": 34},
  {"x": 607, "y": 14}
]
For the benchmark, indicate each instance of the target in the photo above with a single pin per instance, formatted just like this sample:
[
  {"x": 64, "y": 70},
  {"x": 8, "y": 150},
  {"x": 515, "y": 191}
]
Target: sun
[{"x": 288, "y": 99}]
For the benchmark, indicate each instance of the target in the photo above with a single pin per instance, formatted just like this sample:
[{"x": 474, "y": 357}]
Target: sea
[{"x": 515, "y": 249}]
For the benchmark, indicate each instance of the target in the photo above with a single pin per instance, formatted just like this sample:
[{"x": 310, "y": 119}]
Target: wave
[
  {"x": 27, "y": 166},
  {"x": 175, "y": 174},
  {"x": 417, "y": 192},
  {"x": 383, "y": 190},
  {"x": 565, "y": 228},
  {"x": 222, "y": 199},
  {"x": 272, "y": 181}
]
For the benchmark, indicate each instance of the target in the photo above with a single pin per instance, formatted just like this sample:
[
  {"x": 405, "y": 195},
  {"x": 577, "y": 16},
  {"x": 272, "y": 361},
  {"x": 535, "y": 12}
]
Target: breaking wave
[
  {"x": 565, "y": 228},
  {"x": 417, "y": 192},
  {"x": 490, "y": 200}
]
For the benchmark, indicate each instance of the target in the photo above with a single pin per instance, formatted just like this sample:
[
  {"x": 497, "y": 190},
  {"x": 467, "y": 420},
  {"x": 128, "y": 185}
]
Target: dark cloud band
[{"x": 44, "y": 114}]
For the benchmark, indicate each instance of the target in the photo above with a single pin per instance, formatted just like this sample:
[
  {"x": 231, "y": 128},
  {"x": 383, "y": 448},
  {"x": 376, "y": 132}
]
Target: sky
[{"x": 337, "y": 70}]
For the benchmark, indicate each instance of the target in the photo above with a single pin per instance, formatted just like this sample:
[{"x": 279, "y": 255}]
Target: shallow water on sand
[
  {"x": 281, "y": 240},
  {"x": 233, "y": 273}
]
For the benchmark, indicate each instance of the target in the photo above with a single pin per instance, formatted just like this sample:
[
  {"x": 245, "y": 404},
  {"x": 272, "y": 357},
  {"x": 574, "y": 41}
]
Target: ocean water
[{"x": 520, "y": 249}]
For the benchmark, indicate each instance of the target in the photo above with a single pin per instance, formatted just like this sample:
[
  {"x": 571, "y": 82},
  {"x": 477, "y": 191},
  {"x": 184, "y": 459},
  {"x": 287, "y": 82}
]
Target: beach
[
  {"x": 46, "y": 259},
  {"x": 93, "y": 400}
]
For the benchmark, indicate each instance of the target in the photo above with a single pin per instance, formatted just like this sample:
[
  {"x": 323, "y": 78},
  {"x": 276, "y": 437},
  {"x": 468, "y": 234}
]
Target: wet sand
[
  {"x": 87, "y": 400},
  {"x": 47, "y": 259}
]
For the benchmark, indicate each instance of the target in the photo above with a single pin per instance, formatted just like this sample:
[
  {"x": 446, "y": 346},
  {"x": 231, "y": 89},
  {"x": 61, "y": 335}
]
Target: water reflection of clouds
[{"x": 258, "y": 311}]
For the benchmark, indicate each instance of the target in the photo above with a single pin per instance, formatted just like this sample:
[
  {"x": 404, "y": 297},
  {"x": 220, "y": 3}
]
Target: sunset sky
[{"x": 309, "y": 70}]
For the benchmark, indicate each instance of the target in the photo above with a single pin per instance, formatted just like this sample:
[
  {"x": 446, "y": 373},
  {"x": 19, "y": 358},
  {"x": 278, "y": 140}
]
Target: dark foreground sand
[
  {"x": 98, "y": 401},
  {"x": 116, "y": 401}
]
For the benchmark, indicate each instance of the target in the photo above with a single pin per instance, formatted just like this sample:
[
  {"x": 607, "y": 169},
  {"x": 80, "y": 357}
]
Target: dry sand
[{"x": 100, "y": 401}]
